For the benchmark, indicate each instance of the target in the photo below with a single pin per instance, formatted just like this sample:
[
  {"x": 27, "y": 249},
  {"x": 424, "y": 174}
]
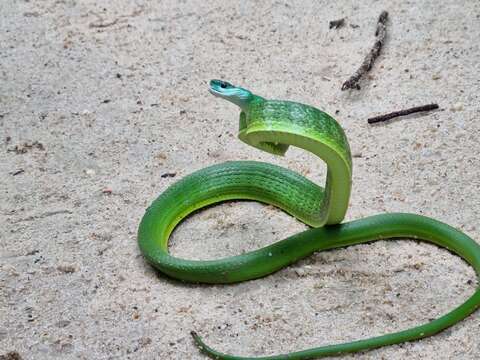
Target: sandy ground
[{"x": 99, "y": 99}]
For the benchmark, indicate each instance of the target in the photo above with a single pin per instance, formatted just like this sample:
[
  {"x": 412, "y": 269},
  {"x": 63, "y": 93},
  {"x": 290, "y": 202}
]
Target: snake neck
[
  {"x": 252, "y": 101},
  {"x": 246, "y": 102}
]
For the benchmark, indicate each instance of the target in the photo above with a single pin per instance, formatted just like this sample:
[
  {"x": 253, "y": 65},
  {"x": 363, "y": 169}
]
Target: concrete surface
[{"x": 98, "y": 99}]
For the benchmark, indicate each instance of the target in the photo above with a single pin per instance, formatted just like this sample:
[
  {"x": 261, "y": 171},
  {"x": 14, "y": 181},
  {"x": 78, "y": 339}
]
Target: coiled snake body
[{"x": 272, "y": 126}]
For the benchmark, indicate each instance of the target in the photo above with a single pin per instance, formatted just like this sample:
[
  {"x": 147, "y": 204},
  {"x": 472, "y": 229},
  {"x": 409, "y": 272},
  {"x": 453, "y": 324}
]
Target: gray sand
[{"x": 98, "y": 99}]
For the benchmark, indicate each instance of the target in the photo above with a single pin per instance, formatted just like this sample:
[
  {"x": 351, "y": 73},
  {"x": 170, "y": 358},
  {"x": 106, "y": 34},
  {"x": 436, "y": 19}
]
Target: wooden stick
[
  {"x": 380, "y": 33},
  {"x": 336, "y": 23},
  {"x": 395, "y": 114}
]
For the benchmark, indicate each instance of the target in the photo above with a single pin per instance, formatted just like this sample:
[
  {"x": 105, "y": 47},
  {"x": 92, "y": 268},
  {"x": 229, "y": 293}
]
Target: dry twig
[
  {"x": 103, "y": 24},
  {"x": 380, "y": 34},
  {"x": 336, "y": 23},
  {"x": 395, "y": 114}
]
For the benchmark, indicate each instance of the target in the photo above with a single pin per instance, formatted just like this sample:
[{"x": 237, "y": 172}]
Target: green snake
[{"x": 272, "y": 126}]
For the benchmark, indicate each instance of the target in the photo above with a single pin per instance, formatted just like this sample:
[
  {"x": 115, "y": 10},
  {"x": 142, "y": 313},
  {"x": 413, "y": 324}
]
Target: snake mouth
[{"x": 214, "y": 92}]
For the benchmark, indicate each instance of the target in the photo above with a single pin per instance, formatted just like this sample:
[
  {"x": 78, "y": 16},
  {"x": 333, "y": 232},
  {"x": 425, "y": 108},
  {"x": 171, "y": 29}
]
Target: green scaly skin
[{"x": 272, "y": 126}]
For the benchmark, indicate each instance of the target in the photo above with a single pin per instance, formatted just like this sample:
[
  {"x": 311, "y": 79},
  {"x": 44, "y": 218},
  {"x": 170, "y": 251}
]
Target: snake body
[{"x": 273, "y": 126}]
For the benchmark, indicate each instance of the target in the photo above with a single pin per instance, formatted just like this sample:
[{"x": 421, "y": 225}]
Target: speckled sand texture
[{"x": 99, "y": 99}]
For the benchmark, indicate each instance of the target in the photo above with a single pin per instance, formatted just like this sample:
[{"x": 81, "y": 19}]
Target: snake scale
[{"x": 272, "y": 126}]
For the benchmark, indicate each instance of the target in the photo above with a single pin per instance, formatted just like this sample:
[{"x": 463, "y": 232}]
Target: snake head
[{"x": 237, "y": 95}]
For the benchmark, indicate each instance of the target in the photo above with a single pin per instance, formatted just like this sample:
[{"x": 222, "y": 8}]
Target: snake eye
[{"x": 223, "y": 85}]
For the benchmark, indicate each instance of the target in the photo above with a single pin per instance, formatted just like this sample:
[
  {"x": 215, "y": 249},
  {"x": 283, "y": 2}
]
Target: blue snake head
[{"x": 237, "y": 95}]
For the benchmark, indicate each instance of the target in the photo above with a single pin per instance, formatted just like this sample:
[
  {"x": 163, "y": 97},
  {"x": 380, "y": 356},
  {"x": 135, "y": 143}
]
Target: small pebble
[
  {"x": 12, "y": 355},
  {"x": 67, "y": 268},
  {"x": 144, "y": 341},
  {"x": 436, "y": 77},
  {"x": 300, "y": 272},
  {"x": 62, "y": 323},
  {"x": 457, "y": 106},
  {"x": 90, "y": 172}
]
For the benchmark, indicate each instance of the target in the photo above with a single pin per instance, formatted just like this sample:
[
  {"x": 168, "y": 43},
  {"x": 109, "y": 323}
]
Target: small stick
[
  {"x": 336, "y": 23},
  {"x": 18, "y": 172},
  {"x": 380, "y": 34},
  {"x": 395, "y": 114},
  {"x": 103, "y": 24}
]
